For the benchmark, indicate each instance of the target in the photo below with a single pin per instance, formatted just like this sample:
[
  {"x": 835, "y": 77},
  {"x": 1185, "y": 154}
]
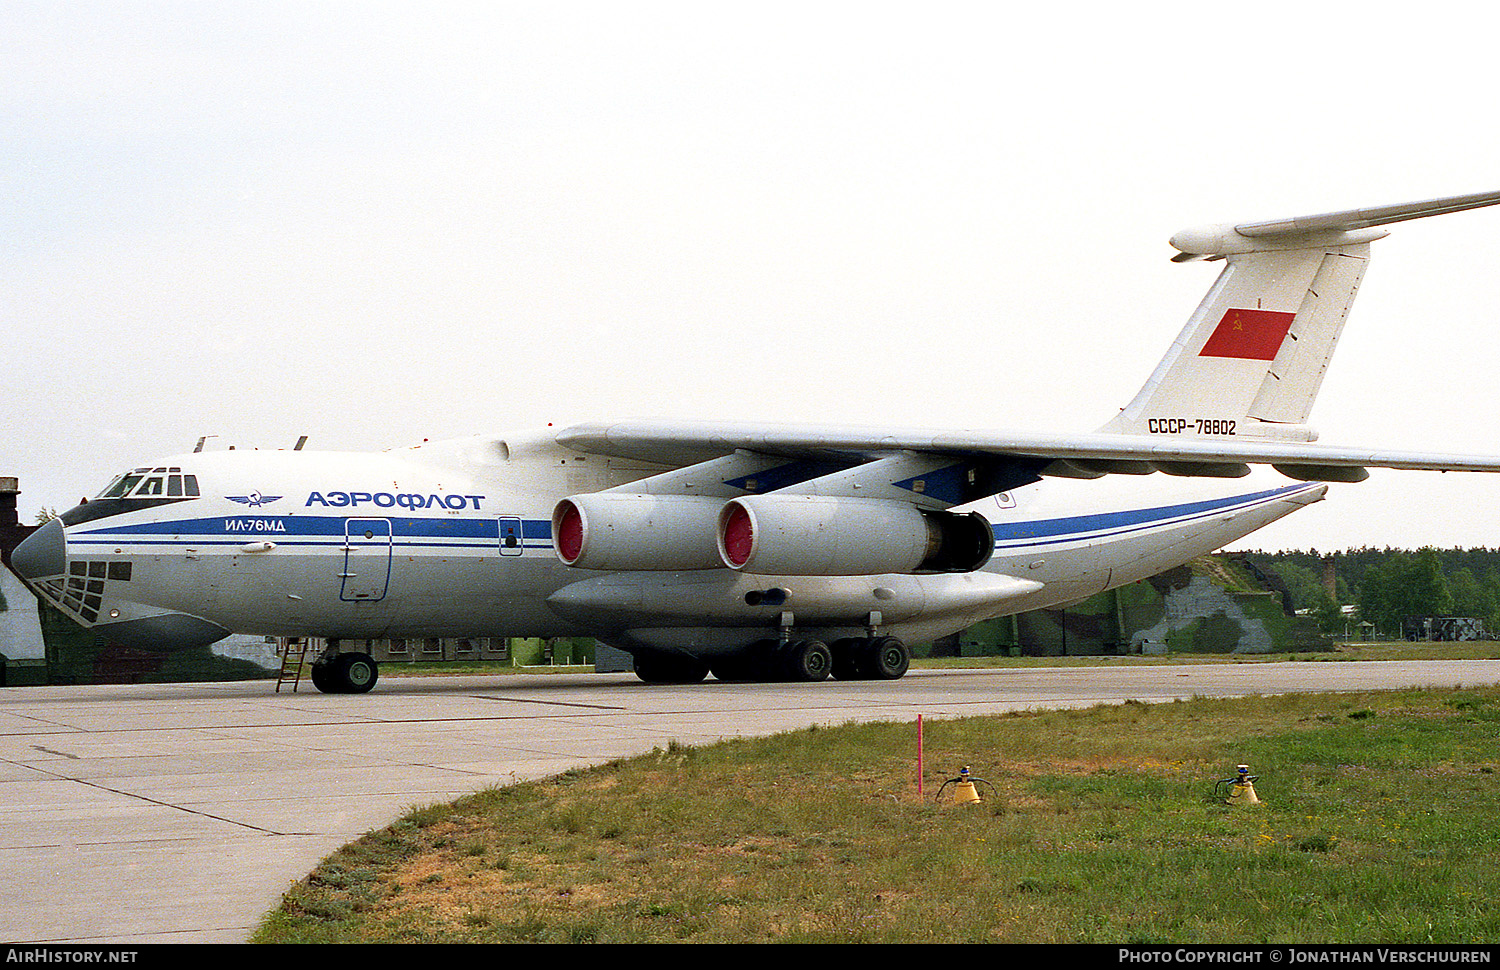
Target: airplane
[{"x": 750, "y": 552}]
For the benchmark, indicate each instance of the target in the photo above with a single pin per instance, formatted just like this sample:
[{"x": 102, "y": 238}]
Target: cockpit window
[
  {"x": 146, "y": 483},
  {"x": 120, "y": 486}
]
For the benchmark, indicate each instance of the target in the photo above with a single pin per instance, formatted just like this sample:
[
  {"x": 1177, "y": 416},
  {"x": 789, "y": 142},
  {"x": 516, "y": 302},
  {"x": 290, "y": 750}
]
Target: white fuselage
[{"x": 453, "y": 539}]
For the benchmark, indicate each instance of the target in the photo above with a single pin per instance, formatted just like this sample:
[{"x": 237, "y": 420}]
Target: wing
[{"x": 1065, "y": 456}]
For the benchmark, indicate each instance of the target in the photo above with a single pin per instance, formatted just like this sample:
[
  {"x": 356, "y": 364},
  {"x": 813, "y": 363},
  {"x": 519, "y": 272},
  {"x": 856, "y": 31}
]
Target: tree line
[{"x": 1387, "y": 585}]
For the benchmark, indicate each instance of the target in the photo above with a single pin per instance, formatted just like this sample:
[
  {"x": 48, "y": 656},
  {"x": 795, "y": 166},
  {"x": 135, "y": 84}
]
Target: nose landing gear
[{"x": 345, "y": 673}]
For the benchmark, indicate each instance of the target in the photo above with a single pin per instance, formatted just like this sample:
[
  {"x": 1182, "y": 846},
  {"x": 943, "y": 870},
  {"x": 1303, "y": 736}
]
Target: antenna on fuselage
[{"x": 300, "y": 442}]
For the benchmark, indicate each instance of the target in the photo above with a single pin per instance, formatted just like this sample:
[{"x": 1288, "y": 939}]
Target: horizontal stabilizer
[
  {"x": 1345, "y": 228},
  {"x": 1351, "y": 219}
]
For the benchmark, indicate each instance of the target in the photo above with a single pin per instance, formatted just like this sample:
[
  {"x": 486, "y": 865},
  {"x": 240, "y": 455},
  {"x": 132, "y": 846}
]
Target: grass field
[{"x": 1380, "y": 823}]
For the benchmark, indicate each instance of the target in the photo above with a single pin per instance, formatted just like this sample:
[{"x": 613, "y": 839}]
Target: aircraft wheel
[
  {"x": 763, "y": 661},
  {"x": 740, "y": 667},
  {"x": 353, "y": 673},
  {"x": 886, "y": 658},
  {"x": 808, "y": 661},
  {"x": 321, "y": 678},
  {"x": 661, "y": 669},
  {"x": 846, "y": 658}
]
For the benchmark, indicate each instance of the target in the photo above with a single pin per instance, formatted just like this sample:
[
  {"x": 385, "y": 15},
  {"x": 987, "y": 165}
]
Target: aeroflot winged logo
[{"x": 255, "y": 500}]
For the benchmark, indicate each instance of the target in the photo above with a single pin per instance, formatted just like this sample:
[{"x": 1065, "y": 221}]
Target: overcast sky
[{"x": 373, "y": 223}]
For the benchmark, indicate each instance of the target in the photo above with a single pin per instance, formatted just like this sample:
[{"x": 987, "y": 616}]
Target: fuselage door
[
  {"x": 510, "y": 536},
  {"x": 367, "y": 560}
]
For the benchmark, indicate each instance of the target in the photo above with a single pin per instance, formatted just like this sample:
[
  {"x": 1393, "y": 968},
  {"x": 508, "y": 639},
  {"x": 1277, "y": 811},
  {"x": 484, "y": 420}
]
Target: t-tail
[{"x": 1252, "y": 357}]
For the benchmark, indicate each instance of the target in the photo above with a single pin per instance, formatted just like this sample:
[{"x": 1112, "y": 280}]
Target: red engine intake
[{"x": 635, "y": 530}]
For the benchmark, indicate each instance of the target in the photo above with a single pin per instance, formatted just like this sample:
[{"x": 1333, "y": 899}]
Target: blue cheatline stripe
[
  {"x": 1102, "y": 525},
  {"x": 316, "y": 530}
]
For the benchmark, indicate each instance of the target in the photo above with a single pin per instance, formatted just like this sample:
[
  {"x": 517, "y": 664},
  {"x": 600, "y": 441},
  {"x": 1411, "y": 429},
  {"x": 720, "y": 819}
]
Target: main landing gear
[{"x": 810, "y": 661}]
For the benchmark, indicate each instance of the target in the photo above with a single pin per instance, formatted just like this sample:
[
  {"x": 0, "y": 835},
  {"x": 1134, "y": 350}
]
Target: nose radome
[{"x": 42, "y": 554}]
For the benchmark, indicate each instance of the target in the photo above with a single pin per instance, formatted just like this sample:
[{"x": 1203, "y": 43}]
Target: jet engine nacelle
[
  {"x": 632, "y": 530},
  {"x": 816, "y": 535}
]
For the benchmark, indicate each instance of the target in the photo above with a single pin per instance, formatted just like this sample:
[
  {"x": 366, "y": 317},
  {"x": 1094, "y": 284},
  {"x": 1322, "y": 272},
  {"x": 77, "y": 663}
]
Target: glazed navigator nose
[{"x": 42, "y": 554}]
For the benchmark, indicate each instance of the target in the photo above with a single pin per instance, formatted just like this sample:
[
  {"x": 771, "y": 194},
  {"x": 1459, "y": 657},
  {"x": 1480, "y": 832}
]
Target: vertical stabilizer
[{"x": 1252, "y": 357}]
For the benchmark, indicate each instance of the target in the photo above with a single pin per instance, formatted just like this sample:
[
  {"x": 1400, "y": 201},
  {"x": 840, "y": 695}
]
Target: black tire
[
  {"x": 322, "y": 678},
  {"x": 807, "y": 661},
  {"x": 762, "y": 661},
  {"x": 664, "y": 669},
  {"x": 846, "y": 658},
  {"x": 354, "y": 673},
  {"x": 887, "y": 658},
  {"x": 736, "y": 669}
]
